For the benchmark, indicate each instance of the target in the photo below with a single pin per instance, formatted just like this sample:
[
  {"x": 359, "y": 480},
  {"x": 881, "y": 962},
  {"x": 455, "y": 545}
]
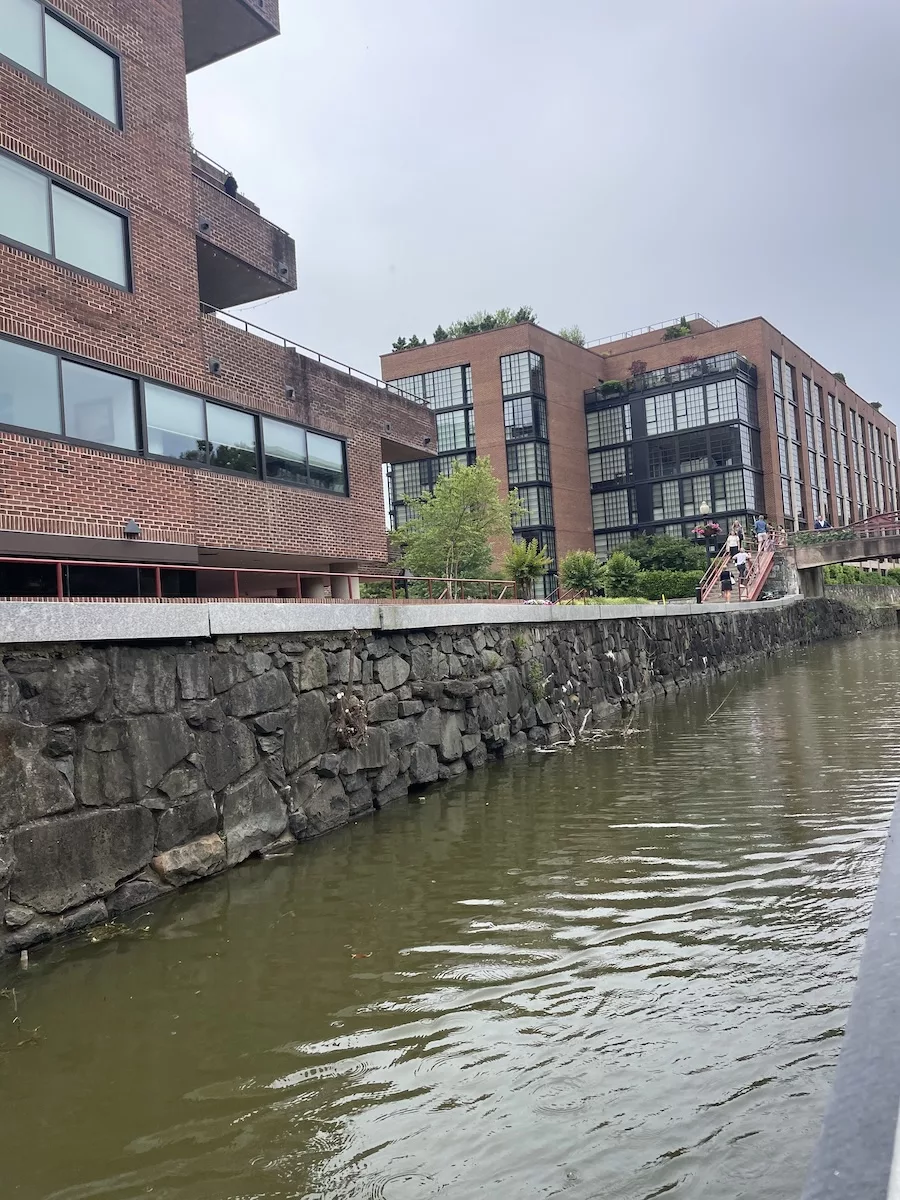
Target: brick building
[
  {"x": 137, "y": 423},
  {"x": 637, "y": 432}
]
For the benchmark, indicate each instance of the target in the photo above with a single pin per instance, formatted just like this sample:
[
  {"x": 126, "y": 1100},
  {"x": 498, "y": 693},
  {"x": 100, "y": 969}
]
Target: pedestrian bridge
[{"x": 876, "y": 537}]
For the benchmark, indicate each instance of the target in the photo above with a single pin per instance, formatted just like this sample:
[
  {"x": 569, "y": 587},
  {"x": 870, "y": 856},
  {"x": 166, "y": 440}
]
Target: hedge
[{"x": 671, "y": 584}]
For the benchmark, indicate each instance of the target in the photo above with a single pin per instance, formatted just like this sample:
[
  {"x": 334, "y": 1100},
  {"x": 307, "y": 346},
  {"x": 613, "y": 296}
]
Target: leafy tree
[
  {"x": 525, "y": 562},
  {"x": 441, "y": 334},
  {"x": 449, "y": 533},
  {"x": 580, "y": 571},
  {"x": 682, "y": 329},
  {"x": 483, "y": 322},
  {"x": 621, "y": 575},
  {"x": 412, "y": 343},
  {"x": 664, "y": 553},
  {"x": 840, "y": 376},
  {"x": 573, "y": 334}
]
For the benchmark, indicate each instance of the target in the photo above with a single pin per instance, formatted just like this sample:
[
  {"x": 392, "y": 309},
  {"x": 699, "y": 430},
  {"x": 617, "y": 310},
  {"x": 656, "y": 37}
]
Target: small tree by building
[
  {"x": 621, "y": 575},
  {"x": 449, "y": 535},
  {"x": 526, "y": 562},
  {"x": 573, "y": 334},
  {"x": 580, "y": 571}
]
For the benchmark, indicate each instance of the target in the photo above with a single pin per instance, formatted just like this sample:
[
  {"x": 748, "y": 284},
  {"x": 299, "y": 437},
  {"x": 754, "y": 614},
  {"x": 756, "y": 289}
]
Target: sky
[{"x": 612, "y": 163}]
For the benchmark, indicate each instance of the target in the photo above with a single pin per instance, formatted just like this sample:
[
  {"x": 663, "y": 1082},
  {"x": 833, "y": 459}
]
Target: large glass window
[
  {"x": 53, "y": 220},
  {"x": 692, "y": 453},
  {"x": 522, "y": 373},
  {"x": 609, "y": 426},
  {"x": 21, "y": 37},
  {"x": 689, "y": 408},
  {"x": 663, "y": 459},
  {"x": 666, "y": 500},
  {"x": 232, "y": 439},
  {"x": 608, "y": 466},
  {"x": 726, "y": 445},
  {"x": 326, "y": 463},
  {"x": 525, "y": 417},
  {"x": 538, "y": 507},
  {"x": 660, "y": 417},
  {"x": 285, "y": 456},
  {"x": 613, "y": 508},
  {"x": 450, "y": 387},
  {"x": 99, "y": 406},
  {"x": 606, "y": 543},
  {"x": 81, "y": 69},
  {"x": 66, "y": 57},
  {"x": 695, "y": 492},
  {"x": 454, "y": 430},
  {"x": 776, "y": 374},
  {"x": 89, "y": 237},
  {"x": 24, "y": 205},
  {"x": 29, "y": 388},
  {"x": 528, "y": 463},
  {"x": 175, "y": 423},
  {"x": 721, "y": 401}
]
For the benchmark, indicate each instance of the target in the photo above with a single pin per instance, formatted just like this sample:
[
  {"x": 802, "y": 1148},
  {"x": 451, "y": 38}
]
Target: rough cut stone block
[
  {"x": 181, "y": 782},
  {"x": 30, "y": 785},
  {"x": 262, "y": 693},
  {"x": 103, "y": 778},
  {"x": 69, "y": 690},
  {"x": 143, "y": 680},
  {"x": 327, "y": 808},
  {"x": 306, "y": 731},
  {"x": 155, "y": 745},
  {"x": 253, "y": 815},
  {"x": 392, "y": 671},
  {"x": 384, "y": 708},
  {"x": 204, "y": 857},
  {"x": 184, "y": 822},
  {"x": 388, "y": 774},
  {"x": 80, "y": 856},
  {"x": 375, "y": 750},
  {"x": 423, "y": 764},
  {"x": 226, "y": 754},
  {"x": 42, "y": 929},
  {"x": 477, "y": 756},
  {"x": 144, "y": 889},
  {"x": 429, "y": 727},
  {"x": 411, "y": 708},
  {"x": 193, "y": 675},
  {"x": 311, "y": 672},
  {"x": 395, "y": 791},
  {"x": 9, "y": 691},
  {"x": 402, "y": 733},
  {"x": 361, "y": 801},
  {"x": 451, "y": 739}
]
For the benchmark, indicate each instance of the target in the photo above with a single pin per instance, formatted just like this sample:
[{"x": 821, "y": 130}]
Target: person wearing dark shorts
[{"x": 726, "y": 582}]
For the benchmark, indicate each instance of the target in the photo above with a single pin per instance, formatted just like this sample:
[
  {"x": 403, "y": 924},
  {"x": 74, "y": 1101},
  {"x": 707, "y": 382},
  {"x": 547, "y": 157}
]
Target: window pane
[
  {"x": 326, "y": 463},
  {"x": 20, "y": 33},
  {"x": 99, "y": 407},
  {"x": 29, "y": 388},
  {"x": 24, "y": 205},
  {"x": 175, "y": 424},
  {"x": 82, "y": 70},
  {"x": 232, "y": 439},
  {"x": 286, "y": 454},
  {"x": 89, "y": 237},
  {"x": 522, "y": 373}
]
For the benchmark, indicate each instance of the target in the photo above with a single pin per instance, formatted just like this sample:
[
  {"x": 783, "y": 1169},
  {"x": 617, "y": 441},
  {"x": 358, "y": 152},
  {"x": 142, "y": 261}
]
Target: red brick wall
[
  {"x": 243, "y": 233},
  {"x": 157, "y": 331}
]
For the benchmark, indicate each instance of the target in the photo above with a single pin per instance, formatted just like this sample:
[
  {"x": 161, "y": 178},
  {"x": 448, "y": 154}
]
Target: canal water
[{"x": 616, "y": 972}]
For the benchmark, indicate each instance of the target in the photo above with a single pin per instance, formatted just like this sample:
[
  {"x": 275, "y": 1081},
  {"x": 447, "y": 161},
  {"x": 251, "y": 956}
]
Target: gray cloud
[{"x": 611, "y": 164}]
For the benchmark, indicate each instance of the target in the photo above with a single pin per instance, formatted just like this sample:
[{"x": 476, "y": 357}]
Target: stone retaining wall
[
  {"x": 865, "y": 594},
  {"x": 130, "y": 770}
]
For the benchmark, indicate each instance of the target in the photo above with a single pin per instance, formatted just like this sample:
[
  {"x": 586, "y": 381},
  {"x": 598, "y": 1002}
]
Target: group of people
[{"x": 739, "y": 558}]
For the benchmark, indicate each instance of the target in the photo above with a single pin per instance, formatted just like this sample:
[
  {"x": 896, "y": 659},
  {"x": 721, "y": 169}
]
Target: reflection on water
[{"x": 617, "y": 972}]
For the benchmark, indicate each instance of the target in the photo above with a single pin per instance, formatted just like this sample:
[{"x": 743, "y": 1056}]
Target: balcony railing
[
  {"x": 630, "y": 333},
  {"x": 717, "y": 364}
]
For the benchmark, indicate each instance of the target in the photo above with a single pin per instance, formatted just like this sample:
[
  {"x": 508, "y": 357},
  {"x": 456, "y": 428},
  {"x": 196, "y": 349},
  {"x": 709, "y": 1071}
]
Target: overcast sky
[{"x": 612, "y": 164}]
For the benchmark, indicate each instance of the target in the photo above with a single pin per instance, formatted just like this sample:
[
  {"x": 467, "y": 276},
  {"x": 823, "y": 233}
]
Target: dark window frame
[
  {"x": 63, "y": 19},
  {"x": 141, "y": 425},
  {"x": 65, "y": 185}
]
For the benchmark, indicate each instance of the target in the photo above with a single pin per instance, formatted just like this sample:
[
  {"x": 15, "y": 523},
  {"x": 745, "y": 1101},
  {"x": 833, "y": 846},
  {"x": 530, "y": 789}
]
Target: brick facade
[{"x": 50, "y": 487}]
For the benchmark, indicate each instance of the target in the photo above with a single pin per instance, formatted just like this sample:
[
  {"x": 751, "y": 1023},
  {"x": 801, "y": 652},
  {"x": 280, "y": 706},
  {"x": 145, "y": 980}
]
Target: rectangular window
[
  {"x": 66, "y": 57},
  {"x": 660, "y": 418},
  {"x": 528, "y": 463},
  {"x": 786, "y": 499},
  {"x": 613, "y": 508},
  {"x": 52, "y": 220},
  {"x": 783, "y": 456},
  {"x": 721, "y": 401},
  {"x": 454, "y": 430},
  {"x": 693, "y": 454},
  {"x": 520, "y": 373},
  {"x": 327, "y": 469},
  {"x": 99, "y": 406},
  {"x": 689, "y": 408},
  {"x": 29, "y": 388},
  {"x": 729, "y": 446},
  {"x": 610, "y": 466},
  {"x": 176, "y": 427},
  {"x": 286, "y": 458},
  {"x": 807, "y": 393},
  {"x": 695, "y": 492},
  {"x": 776, "y": 375},
  {"x": 662, "y": 458},
  {"x": 538, "y": 507},
  {"x": 89, "y": 237},
  {"x": 609, "y": 426},
  {"x": 789, "y": 386},
  {"x": 666, "y": 500},
  {"x": 232, "y": 439},
  {"x": 606, "y": 543}
]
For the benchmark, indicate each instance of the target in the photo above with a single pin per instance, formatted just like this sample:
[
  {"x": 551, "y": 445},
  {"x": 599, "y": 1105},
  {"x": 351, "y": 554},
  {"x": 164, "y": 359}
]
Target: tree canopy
[
  {"x": 664, "y": 553},
  {"x": 450, "y": 532},
  {"x": 526, "y": 562}
]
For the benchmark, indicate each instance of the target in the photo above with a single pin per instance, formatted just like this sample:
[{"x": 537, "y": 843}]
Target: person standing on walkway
[
  {"x": 742, "y": 562},
  {"x": 726, "y": 582},
  {"x": 738, "y": 528},
  {"x": 734, "y": 542}
]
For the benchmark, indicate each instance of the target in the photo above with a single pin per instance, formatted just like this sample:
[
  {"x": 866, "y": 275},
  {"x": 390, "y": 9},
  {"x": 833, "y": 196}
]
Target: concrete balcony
[
  {"x": 215, "y": 29},
  {"x": 241, "y": 256}
]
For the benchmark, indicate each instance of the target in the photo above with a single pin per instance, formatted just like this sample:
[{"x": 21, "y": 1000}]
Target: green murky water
[{"x": 616, "y": 972}]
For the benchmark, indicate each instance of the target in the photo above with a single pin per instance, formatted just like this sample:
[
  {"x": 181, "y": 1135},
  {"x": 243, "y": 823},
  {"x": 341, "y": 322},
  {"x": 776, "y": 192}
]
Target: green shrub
[
  {"x": 673, "y": 585},
  {"x": 580, "y": 571},
  {"x": 664, "y": 553},
  {"x": 620, "y": 575}
]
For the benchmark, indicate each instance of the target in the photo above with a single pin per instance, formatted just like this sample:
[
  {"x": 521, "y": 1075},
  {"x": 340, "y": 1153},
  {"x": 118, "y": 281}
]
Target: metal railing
[
  {"x": 201, "y": 161},
  {"x": 618, "y": 337},
  {"x": 715, "y": 364},
  {"x": 876, "y": 526},
  {"x": 402, "y": 589},
  {"x": 285, "y": 343}
]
